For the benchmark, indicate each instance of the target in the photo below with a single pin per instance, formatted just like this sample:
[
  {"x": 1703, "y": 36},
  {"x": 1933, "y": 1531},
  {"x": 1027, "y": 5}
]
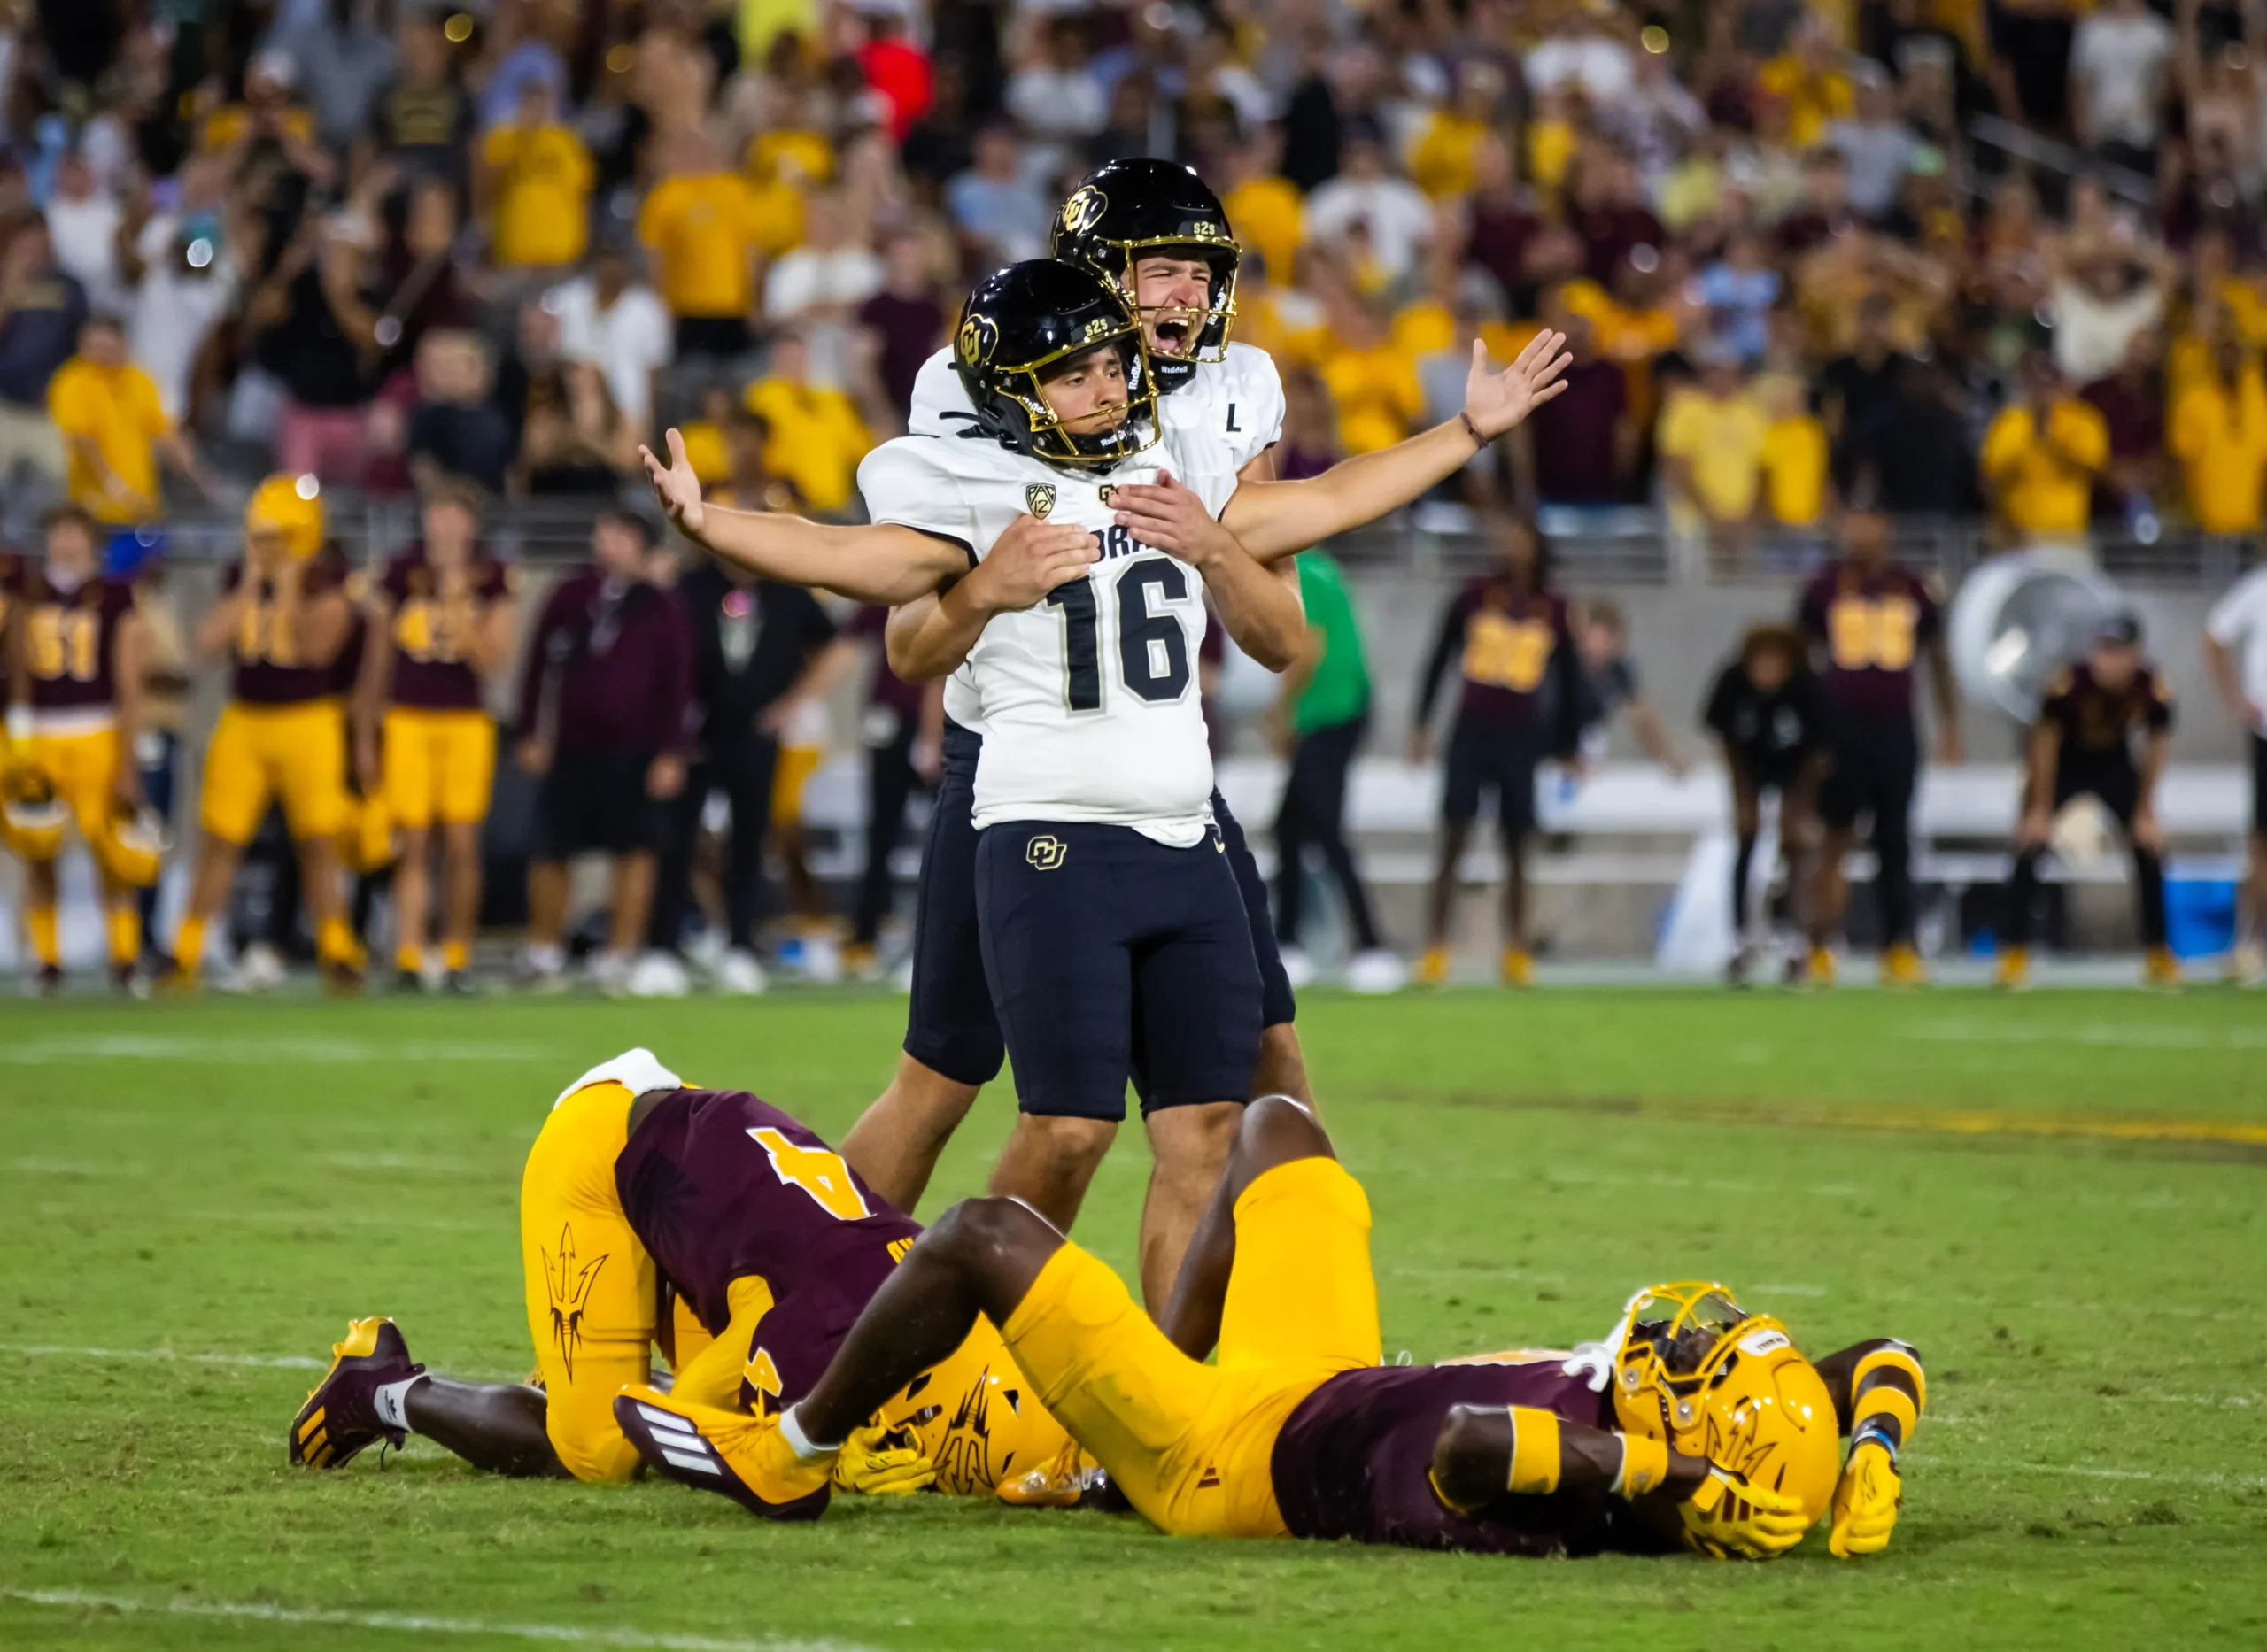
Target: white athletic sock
[
  {"x": 390, "y": 1401},
  {"x": 806, "y": 1449}
]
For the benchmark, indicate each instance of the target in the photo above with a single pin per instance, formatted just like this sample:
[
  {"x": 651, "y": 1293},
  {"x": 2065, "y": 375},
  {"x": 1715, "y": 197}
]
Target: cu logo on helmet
[
  {"x": 1084, "y": 210},
  {"x": 1046, "y": 851},
  {"x": 977, "y": 335}
]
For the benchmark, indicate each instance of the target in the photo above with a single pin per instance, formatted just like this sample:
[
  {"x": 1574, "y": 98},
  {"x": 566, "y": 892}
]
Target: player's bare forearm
[
  {"x": 1944, "y": 687},
  {"x": 1258, "y": 606},
  {"x": 2226, "y": 683},
  {"x": 884, "y": 564},
  {"x": 492, "y": 638},
  {"x": 1280, "y": 519},
  {"x": 130, "y": 660},
  {"x": 928, "y": 638},
  {"x": 375, "y": 680},
  {"x": 218, "y": 628}
]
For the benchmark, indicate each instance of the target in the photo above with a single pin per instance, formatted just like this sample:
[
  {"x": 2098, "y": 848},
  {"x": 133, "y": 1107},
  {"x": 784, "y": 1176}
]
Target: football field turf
[{"x": 2062, "y": 1198}]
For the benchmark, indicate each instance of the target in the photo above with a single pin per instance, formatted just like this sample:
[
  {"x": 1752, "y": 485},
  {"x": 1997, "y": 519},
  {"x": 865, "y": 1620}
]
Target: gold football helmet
[
  {"x": 134, "y": 852},
  {"x": 290, "y": 507},
  {"x": 32, "y": 817},
  {"x": 1693, "y": 1369},
  {"x": 975, "y": 1417}
]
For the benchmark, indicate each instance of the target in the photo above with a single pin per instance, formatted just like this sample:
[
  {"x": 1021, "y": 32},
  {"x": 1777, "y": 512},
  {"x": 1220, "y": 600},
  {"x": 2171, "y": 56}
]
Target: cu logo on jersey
[
  {"x": 977, "y": 335},
  {"x": 1046, "y": 851},
  {"x": 1084, "y": 210},
  {"x": 1039, "y": 497}
]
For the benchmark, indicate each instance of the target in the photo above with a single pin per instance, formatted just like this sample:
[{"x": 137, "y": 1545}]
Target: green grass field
[{"x": 2062, "y": 1198}]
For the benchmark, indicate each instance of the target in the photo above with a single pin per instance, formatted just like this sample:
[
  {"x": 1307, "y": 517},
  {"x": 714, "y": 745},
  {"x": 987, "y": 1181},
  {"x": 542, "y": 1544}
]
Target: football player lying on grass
[
  {"x": 1696, "y": 1422},
  {"x": 640, "y": 1189}
]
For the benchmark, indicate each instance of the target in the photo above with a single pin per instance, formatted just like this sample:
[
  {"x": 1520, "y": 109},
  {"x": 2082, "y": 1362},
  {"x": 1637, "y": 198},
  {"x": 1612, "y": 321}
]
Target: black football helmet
[
  {"x": 1128, "y": 208},
  {"x": 1023, "y": 320}
]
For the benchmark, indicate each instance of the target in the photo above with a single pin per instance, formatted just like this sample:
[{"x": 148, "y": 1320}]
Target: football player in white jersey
[
  {"x": 1113, "y": 935},
  {"x": 1156, "y": 230}
]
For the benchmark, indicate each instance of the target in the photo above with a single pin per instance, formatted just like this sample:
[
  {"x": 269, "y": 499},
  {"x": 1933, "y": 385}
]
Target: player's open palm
[
  {"x": 675, "y": 485},
  {"x": 1495, "y": 402},
  {"x": 1030, "y": 559}
]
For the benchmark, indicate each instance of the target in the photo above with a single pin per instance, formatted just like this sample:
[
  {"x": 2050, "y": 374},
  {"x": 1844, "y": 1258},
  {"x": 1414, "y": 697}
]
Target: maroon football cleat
[{"x": 340, "y": 1421}]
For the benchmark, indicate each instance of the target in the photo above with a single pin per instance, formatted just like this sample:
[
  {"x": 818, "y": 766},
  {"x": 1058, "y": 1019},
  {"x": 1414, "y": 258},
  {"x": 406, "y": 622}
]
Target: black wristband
[{"x": 1472, "y": 430}]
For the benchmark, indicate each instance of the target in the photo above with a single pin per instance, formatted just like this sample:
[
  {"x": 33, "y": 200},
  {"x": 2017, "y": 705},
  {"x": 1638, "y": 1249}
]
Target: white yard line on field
[
  {"x": 2171, "y": 1477},
  {"x": 568, "y": 1634},
  {"x": 280, "y": 1361},
  {"x": 235, "y": 1052}
]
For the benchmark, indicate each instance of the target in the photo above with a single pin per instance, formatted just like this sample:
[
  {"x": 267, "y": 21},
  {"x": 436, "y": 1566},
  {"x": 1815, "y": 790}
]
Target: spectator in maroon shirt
[
  {"x": 905, "y": 319},
  {"x": 605, "y": 695},
  {"x": 1581, "y": 449},
  {"x": 1502, "y": 223},
  {"x": 1609, "y": 215},
  {"x": 2131, "y": 404},
  {"x": 1824, "y": 211}
]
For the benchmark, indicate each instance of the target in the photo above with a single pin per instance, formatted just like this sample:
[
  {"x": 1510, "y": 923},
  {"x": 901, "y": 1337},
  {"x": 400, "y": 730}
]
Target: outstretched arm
[
  {"x": 1485, "y": 1454},
  {"x": 884, "y": 563},
  {"x": 1274, "y": 519},
  {"x": 928, "y": 637}
]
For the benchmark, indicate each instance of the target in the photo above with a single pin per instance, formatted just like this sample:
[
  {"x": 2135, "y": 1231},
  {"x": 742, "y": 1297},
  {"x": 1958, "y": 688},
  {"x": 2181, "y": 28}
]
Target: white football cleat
[
  {"x": 1376, "y": 971},
  {"x": 658, "y": 975},
  {"x": 1298, "y": 968},
  {"x": 2248, "y": 964},
  {"x": 609, "y": 972},
  {"x": 822, "y": 959},
  {"x": 738, "y": 974}
]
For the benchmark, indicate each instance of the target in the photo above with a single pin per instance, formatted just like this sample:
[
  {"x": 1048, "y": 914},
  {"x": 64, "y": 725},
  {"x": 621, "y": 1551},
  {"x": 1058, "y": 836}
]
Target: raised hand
[
  {"x": 674, "y": 486},
  {"x": 1495, "y": 402},
  {"x": 1030, "y": 559}
]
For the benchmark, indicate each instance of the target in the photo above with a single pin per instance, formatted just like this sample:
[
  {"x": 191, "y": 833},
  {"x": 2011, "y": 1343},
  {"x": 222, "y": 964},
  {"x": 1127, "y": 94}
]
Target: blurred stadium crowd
[{"x": 1955, "y": 260}]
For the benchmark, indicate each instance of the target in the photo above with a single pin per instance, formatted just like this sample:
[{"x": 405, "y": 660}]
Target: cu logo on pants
[{"x": 1046, "y": 851}]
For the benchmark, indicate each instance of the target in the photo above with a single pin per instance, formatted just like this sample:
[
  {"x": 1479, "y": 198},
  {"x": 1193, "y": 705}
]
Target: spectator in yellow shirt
[
  {"x": 114, "y": 428},
  {"x": 1263, "y": 207},
  {"x": 1375, "y": 384},
  {"x": 817, "y": 437},
  {"x": 703, "y": 227},
  {"x": 1712, "y": 441},
  {"x": 1808, "y": 77},
  {"x": 534, "y": 185},
  {"x": 1794, "y": 457},
  {"x": 1442, "y": 163},
  {"x": 2041, "y": 454},
  {"x": 2218, "y": 431}
]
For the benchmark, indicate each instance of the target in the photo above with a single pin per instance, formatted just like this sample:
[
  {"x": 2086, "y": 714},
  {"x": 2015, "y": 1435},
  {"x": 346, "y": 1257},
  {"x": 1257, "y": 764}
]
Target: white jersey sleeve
[
  {"x": 908, "y": 481},
  {"x": 1228, "y": 412}
]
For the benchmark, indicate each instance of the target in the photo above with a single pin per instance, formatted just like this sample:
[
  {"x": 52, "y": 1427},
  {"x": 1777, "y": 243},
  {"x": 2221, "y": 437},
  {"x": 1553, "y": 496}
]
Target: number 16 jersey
[{"x": 1091, "y": 706}]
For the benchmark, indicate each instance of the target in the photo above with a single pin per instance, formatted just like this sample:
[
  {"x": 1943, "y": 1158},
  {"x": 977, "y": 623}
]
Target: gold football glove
[
  {"x": 874, "y": 1465},
  {"x": 1056, "y": 1484},
  {"x": 1728, "y": 1516},
  {"x": 1865, "y": 1502}
]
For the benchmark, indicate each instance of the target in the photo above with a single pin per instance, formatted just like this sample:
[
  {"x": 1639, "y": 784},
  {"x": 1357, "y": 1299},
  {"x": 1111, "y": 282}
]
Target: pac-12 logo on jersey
[
  {"x": 1039, "y": 497},
  {"x": 1046, "y": 851}
]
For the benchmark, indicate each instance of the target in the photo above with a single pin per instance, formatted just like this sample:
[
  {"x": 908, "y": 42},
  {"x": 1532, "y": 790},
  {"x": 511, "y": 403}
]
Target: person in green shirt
[{"x": 1318, "y": 721}]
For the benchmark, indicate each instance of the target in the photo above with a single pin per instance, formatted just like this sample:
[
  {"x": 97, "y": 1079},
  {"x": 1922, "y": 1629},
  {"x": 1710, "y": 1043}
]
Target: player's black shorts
[
  {"x": 2259, "y": 782},
  {"x": 1502, "y": 759},
  {"x": 1771, "y": 769},
  {"x": 950, "y": 1027},
  {"x": 1106, "y": 949},
  {"x": 1277, "y": 1006},
  {"x": 2113, "y": 779},
  {"x": 1873, "y": 769},
  {"x": 593, "y": 801}
]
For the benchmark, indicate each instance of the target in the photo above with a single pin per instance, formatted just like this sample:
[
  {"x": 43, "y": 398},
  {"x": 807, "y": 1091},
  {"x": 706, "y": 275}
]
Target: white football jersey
[
  {"x": 1090, "y": 707},
  {"x": 1228, "y": 413}
]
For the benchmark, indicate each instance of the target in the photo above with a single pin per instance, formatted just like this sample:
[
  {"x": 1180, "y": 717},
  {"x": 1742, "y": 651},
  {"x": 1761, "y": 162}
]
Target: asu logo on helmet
[{"x": 1695, "y": 1370}]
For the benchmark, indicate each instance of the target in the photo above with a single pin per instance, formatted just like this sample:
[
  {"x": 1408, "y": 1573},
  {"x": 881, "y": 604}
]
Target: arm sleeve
[
  {"x": 673, "y": 707},
  {"x": 533, "y": 667},
  {"x": 1447, "y": 644},
  {"x": 712, "y": 1377},
  {"x": 2159, "y": 715},
  {"x": 1262, "y": 417}
]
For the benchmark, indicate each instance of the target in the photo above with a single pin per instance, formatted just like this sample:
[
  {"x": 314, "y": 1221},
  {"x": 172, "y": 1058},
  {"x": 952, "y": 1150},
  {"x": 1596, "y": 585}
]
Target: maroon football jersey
[
  {"x": 429, "y": 637},
  {"x": 1872, "y": 627},
  {"x": 719, "y": 1186},
  {"x": 1355, "y": 1461},
  {"x": 70, "y": 640},
  {"x": 2098, "y": 722},
  {"x": 268, "y": 671},
  {"x": 1504, "y": 639}
]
